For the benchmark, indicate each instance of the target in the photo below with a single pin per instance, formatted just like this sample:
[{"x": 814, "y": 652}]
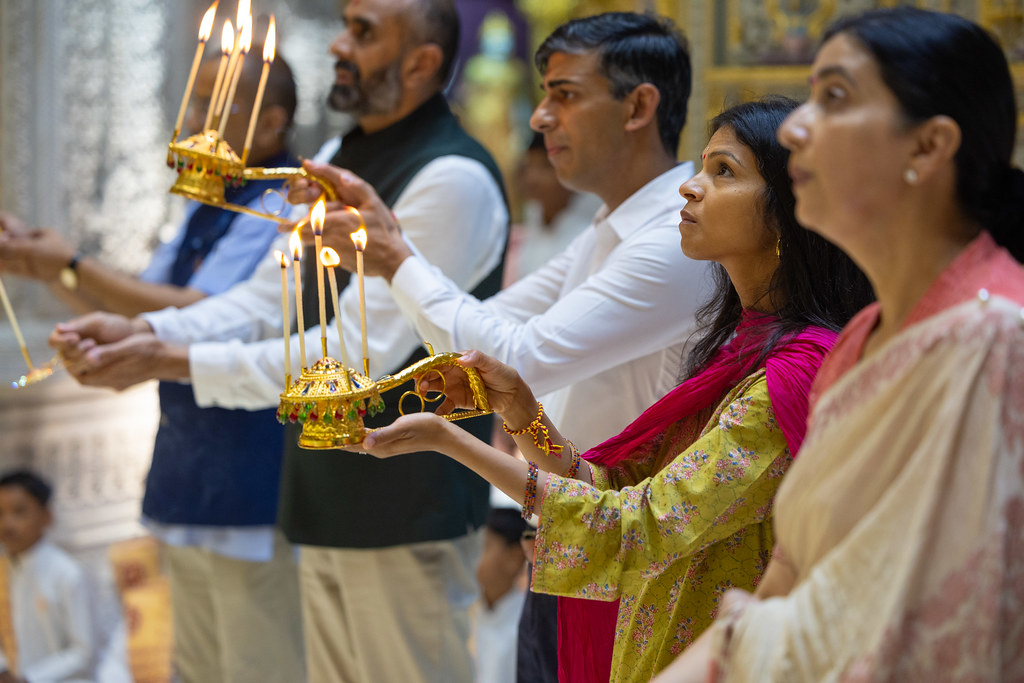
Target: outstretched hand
[
  {"x": 385, "y": 248},
  {"x": 39, "y": 254},
  {"x": 408, "y": 434}
]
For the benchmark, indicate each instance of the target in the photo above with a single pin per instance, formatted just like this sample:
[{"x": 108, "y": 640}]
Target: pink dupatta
[{"x": 586, "y": 628}]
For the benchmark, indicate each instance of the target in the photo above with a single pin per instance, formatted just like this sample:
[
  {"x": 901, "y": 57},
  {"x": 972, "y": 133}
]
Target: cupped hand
[
  {"x": 122, "y": 364},
  {"x": 506, "y": 391},
  {"x": 408, "y": 434},
  {"x": 75, "y": 337}
]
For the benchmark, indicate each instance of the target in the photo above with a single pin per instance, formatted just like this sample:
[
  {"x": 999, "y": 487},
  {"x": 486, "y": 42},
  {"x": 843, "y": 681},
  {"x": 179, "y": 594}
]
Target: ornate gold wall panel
[{"x": 753, "y": 47}]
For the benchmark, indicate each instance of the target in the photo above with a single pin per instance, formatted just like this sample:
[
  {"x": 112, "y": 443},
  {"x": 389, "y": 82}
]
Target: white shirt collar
[{"x": 647, "y": 202}]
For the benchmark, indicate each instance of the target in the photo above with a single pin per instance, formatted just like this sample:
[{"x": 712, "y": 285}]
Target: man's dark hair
[
  {"x": 507, "y": 523},
  {"x": 634, "y": 49},
  {"x": 436, "y": 21},
  {"x": 280, "y": 88},
  {"x": 31, "y": 482}
]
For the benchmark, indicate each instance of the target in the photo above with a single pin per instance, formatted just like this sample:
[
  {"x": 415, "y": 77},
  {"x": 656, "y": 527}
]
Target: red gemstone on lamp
[
  {"x": 293, "y": 417},
  {"x": 314, "y": 417}
]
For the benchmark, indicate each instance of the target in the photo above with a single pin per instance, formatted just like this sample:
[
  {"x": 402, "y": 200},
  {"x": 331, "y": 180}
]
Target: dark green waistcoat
[{"x": 346, "y": 500}]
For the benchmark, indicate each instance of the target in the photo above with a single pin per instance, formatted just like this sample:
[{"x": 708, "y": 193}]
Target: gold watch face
[{"x": 69, "y": 278}]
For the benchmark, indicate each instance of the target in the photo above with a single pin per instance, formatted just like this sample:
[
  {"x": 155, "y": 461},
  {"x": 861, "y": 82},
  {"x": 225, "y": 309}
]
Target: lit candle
[
  {"x": 269, "y": 45},
  {"x": 330, "y": 259},
  {"x": 227, "y": 40},
  {"x": 245, "y": 42},
  {"x": 14, "y": 325},
  {"x": 295, "y": 243},
  {"x": 359, "y": 239},
  {"x": 218, "y": 101},
  {"x": 205, "y": 29},
  {"x": 286, "y": 319},
  {"x": 316, "y": 217}
]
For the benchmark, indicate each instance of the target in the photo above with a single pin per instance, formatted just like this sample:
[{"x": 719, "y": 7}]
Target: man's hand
[
  {"x": 132, "y": 360},
  {"x": 39, "y": 254},
  {"x": 11, "y": 226},
  {"x": 385, "y": 249}
]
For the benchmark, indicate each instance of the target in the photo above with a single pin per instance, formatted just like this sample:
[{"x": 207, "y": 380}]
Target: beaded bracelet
[
  {"x": 531, "y": 491},
  {"x": 536, "y": 429},
  {"x": 574, "y": 464}
]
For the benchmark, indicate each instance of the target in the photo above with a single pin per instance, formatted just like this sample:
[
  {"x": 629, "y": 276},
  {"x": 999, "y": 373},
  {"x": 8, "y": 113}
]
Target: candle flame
[
  {"x": 270, "y": 42},
  {"x": 245, "y": 41},
  {"x": 295, "y": 244},
  {"x": 317, "y": 216},
  {"x": 227, "y": 38},
  {"x": 281, "y": 258},
  {"x": 329, "y": 257},
  {"x": 206, "y": 27},
  {"x": 359, "y": 239},
  {"x": 243, "y": 10}
]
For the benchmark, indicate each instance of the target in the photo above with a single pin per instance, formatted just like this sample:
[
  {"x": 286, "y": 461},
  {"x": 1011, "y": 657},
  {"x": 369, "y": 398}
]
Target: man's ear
[
  {"x": 937, "y": 141},
  {"x": 271, "y": 126},
  {"x": 422, "y": 64},
  {"x": 643, "y": 107}
]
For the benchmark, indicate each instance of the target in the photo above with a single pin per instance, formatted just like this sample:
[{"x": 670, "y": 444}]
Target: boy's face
[{"x": 22, "y": 519}]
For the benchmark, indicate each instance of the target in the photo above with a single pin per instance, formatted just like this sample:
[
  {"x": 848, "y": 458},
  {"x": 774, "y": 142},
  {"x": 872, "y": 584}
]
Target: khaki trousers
[
  {"x": 389, "y": 615},
  {"x": 235, "y": 621}
]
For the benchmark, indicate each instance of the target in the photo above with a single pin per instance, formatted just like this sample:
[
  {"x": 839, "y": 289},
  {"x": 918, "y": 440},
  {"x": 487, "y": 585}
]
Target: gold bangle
[{"x": 539, "y": 432}]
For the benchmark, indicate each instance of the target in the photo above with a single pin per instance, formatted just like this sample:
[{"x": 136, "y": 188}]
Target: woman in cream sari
[{"x": 900, "y": 528}]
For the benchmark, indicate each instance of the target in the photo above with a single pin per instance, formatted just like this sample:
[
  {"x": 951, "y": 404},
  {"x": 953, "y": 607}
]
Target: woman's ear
[
  {"x": 937, "y": 142},
  {"x": 643, "y": 107}
]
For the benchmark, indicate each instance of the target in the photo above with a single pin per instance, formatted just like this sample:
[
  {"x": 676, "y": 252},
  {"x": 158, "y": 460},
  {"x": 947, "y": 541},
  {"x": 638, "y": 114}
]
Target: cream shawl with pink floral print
[{"x": 903, "y": 517}]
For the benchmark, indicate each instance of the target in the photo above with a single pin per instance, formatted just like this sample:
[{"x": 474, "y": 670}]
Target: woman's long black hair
[{"x": 814, "y": 284}]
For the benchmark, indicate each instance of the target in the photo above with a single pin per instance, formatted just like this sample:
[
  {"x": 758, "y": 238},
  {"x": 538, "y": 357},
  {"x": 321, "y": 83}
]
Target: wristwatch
[{"x": 69, "y": 273}]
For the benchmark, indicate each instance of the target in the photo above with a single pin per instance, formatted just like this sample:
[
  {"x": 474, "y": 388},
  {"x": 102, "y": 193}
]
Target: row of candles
[
  {"x": 327, "y": 258},
  {"x": 234, "y": 48}
]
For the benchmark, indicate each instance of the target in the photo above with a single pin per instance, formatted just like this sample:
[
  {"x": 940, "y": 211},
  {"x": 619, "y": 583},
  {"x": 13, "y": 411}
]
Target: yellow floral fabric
[{"x": 668, "y": 540}]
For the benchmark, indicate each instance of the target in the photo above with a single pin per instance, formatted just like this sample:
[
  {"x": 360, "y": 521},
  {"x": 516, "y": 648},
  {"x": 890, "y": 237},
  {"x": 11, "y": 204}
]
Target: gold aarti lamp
[
  {"x": 328, "y": 398},
  {"x": 205, "y": 162}
]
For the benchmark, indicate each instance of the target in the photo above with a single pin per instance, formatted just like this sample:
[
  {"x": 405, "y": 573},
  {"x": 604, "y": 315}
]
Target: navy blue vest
[
  {"x": 339, "y": 499},
  {"x": 213, "y": 466}
]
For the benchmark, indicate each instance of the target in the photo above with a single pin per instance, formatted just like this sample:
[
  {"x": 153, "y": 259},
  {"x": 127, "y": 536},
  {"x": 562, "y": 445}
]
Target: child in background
[
  {"x": 503, "y": 591},
  {"x": 45, "y": 606}
]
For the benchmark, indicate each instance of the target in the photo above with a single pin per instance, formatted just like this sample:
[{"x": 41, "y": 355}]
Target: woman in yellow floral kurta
[
  {"x": 674, "y": 510},
  {"x": 668, "y": 546}
]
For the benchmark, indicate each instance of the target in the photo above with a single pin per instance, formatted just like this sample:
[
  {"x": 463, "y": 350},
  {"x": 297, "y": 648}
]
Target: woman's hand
[
  {"x": 506, "y": 391},
  {"x": 407, "y": 434}
]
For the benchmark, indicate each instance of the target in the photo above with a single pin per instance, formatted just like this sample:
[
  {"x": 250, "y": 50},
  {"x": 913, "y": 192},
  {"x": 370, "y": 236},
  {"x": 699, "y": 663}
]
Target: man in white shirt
[{"x": 598, "y": 331}]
